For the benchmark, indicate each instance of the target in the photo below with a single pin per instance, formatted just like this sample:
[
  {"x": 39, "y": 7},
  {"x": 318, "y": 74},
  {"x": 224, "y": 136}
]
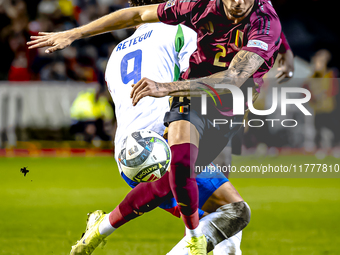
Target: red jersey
[{"x": 219, "y": 40}]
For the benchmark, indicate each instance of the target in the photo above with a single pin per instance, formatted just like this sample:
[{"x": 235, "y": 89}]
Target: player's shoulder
[
  {"x": 148, "y": 33},
  {"x": 264, "y": 18},
  {"x": 167, "y": 31},
  {"x": 264, "y": 8}
]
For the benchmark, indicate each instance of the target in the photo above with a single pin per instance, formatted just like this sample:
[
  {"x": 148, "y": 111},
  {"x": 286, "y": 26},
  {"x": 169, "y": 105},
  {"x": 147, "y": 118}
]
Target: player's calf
[{"x": 228, "y": 220}]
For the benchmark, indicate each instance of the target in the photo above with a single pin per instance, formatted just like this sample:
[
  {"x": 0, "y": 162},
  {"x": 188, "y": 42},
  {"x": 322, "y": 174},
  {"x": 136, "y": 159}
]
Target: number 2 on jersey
[
  {"x": 135, "y": 74},
  {"x": 222, "y": 54}
]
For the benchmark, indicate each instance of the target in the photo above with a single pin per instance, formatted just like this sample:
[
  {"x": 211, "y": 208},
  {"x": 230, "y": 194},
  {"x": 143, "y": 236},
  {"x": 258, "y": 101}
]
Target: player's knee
[
  {"x": 180, "y": 154},
  {"x": 240, "y": 211},
  {"x": 183, "y": 159},
  {"x": 180, "y": 166}
]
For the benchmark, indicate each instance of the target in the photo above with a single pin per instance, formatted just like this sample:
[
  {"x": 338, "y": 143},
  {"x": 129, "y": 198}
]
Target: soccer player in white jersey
[{"x": 155, "y": 50}]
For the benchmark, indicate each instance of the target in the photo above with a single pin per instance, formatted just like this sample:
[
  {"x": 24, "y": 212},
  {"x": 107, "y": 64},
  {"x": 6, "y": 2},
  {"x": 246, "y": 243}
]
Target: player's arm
[
  {"x": 124, "y": 18},
  {"x": 285, "y": 61},
  {"x": 243, "y": 66}
]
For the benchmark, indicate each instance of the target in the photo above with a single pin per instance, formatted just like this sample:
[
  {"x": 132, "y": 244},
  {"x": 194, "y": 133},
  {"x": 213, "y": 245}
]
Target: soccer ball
[{"x": 145, "y": 156}]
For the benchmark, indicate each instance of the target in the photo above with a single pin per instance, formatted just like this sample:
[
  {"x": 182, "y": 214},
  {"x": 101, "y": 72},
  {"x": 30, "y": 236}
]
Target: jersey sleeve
[
  {"x": 189, "y": 45},
  {"x": 264, "y": 36},
  {"x": 174, "y": 12},
  {"x": 284, "y": 44}
]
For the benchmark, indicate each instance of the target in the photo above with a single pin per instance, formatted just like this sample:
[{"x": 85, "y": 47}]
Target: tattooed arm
[{"x": 242, "y": 67}]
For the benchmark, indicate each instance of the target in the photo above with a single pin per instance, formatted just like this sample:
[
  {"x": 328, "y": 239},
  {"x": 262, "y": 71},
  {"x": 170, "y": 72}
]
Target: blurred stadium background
[{"x": 57, "y": 119}]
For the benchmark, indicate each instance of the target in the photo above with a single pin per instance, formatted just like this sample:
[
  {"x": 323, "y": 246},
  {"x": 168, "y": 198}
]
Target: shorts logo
[
  {"x": 169, "y": 4},
  {"x": 258, "y": 44}
]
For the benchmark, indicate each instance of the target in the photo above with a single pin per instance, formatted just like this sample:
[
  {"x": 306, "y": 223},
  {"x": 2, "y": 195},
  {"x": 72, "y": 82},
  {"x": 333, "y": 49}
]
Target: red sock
[
  {"x": 191, "y": 221},
  {"x": 116, "y": 218},
  {"x": 183, "y": 183},
  {"x": 143, "y": 198}
]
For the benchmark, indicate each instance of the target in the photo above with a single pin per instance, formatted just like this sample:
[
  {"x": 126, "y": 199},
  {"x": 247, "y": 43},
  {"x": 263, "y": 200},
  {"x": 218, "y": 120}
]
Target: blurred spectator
[
  {"x": 19, "y": 19},
  {"x": 55, "y": 71},
  {"x": 14, "y": 35},
  {"x": 19, "y": 68},
  {"x": 90, "y": 113},
  {"x": 324, "y": 88}
]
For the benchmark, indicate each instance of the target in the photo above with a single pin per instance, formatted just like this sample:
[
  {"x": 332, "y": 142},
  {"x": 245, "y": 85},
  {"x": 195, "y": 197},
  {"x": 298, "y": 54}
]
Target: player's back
[{"x": 156, "y": 51}]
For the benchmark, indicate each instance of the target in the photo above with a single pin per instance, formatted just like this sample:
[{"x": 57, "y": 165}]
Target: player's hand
[
  {"x": 146, "y": 87},
  {"x": 55, "y": 41},
  {"x": 286, "y": 67}
]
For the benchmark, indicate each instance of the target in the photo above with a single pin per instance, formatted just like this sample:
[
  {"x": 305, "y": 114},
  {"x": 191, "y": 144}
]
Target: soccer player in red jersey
[{"x": 237, "y": 40}]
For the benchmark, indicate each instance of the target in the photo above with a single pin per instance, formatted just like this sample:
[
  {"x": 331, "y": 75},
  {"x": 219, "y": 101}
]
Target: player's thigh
[
  {"x": 182, "y": 131},
  {"x": 215, "y": 138},
  {"x": 225, "y": 194}
]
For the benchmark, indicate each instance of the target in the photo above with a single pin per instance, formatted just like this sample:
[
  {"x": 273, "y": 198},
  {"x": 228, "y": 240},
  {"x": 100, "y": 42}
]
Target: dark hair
[{"x": 133, "y": 3}]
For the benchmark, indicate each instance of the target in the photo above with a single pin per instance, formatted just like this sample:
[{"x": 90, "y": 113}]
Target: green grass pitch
[{"x": 45, "y": 211}]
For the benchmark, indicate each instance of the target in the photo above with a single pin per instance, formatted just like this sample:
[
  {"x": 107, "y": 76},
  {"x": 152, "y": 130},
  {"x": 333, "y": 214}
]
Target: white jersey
[{"x": 156, "y": 51}]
